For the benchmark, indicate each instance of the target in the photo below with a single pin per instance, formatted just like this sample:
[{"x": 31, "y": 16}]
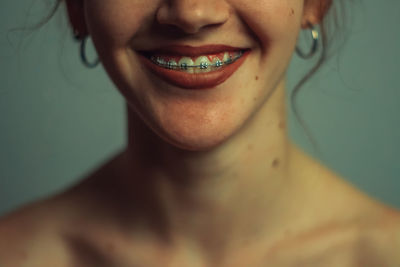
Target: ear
[
  {"x": 314, "y": 12},
  {"x": 76, "y": 15}
]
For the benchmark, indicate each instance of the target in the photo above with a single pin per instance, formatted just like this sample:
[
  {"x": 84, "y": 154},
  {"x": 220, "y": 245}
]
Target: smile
[
  {"x": 201, "y": 64},
  {"x": 194, "y": 67}
]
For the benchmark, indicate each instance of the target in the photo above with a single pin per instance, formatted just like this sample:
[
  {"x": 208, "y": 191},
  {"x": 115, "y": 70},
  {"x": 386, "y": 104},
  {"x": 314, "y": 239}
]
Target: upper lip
[{"x": 187, "y": 50}]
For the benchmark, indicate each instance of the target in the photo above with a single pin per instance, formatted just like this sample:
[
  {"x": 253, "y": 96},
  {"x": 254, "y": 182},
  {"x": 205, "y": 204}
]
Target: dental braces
[{"x": 203, "y": 65}]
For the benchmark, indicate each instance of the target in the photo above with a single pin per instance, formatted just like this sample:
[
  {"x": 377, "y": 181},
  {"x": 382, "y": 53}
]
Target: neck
[{"x": 221, "y": 198}]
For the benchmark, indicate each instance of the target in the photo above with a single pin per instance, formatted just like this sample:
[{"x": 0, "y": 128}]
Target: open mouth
[
  {"x": 198, "y": 64},
  {"x": 188, "y": 67}
]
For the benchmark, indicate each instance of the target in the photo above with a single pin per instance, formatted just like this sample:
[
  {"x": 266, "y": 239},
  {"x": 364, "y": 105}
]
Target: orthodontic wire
[{"x": 202, "y": 65}]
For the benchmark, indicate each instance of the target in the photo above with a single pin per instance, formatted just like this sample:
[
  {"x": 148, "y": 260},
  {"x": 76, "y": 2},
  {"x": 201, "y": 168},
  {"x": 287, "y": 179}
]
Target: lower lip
[{"x": 186, "y": 80}]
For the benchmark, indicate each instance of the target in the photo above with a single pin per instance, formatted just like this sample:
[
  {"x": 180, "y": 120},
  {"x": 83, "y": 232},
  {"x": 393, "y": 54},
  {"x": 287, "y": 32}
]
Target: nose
[{"x": 193, "y": 15}]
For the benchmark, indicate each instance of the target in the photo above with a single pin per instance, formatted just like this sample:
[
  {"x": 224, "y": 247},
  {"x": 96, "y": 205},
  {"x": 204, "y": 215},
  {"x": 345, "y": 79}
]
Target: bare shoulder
[
  {"x": 380, "y": 239},
  {"x": 37, "y": 235},
  {"x": 30, "y": 236},
  {"x": 373, "y": 227},
  {"x": 372, "y": 241}
]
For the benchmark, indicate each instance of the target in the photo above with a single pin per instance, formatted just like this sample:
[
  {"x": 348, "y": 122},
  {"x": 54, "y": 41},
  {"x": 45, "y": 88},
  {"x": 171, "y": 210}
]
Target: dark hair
[{"x": 331, "y": 24}]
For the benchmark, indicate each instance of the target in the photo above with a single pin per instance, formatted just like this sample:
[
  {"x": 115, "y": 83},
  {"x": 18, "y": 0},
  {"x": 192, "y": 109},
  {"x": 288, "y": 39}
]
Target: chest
[
  {"x": 337, "y": 249},
  {"x": 345, "y": 255}
]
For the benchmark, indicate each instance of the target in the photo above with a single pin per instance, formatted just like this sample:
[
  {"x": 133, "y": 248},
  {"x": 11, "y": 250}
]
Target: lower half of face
[{"x": 208, "y": 114}]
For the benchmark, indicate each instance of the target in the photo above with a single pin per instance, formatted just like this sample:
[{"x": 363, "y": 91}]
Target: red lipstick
[
  {"x": 186, "y": 80},
  {"x": 187, "y": 50}
]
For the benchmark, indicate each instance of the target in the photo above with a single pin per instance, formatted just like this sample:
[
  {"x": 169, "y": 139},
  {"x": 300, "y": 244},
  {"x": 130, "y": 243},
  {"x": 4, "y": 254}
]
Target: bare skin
[
  {"x": 207, "y": 179},
  {"x": 108, "y": 221}
]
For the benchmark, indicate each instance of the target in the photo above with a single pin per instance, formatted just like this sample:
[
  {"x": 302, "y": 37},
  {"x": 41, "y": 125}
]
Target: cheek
[
  {"x": 113, "y": 22},
  {"x": 286, "y": 20},
  {"x": 272, "y": 20}
]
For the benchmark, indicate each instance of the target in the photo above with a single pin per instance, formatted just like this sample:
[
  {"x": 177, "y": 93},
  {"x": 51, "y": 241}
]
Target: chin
[
  {"x": 194, "y": 124},
  {"x": 197, "y": 142},
  {"x": 197, "y": 135}
]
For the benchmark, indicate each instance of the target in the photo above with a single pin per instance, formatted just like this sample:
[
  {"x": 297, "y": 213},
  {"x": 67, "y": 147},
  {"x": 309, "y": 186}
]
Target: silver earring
[
  {"x": 314, "y": 46},
  {"x": 84, "y": 59}
]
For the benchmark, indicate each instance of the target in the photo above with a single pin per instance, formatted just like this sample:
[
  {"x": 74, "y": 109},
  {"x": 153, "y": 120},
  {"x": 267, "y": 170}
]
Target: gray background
[{"x": 59, "y": 120}]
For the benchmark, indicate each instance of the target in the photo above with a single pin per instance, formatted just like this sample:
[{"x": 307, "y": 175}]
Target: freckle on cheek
[
  {"x": 275, "y": 163},
  {"x": 110, "y": 248},
  {"x": 256, "y": 78},
  {"x": 292, "y": 11}
]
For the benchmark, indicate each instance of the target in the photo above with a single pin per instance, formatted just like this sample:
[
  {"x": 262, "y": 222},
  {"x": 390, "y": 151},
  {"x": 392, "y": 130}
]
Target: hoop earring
[
  {"x": 314, "y": 46},
  {"x": 84, "y": 59}
]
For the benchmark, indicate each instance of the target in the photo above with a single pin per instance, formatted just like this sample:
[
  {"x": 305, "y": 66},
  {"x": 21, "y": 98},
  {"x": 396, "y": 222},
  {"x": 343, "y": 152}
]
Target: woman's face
[{"x": 200, "y": 118}]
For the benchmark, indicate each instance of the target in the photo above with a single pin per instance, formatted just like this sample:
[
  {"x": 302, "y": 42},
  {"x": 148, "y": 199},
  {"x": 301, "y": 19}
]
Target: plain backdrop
[{"x": 60, "y": 120}]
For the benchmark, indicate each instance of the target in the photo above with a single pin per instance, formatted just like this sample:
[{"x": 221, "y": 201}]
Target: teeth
[
  {"x": 160, "y": 61},
  {"x": 172, "y": 64},
  {"x": 237, "y": 54},
  {"x": 204, "y": 64},
  {"x": 217, "y": 63},
  {"x": 227, "y": 58},
  {"x": 184, "y": 63}
]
